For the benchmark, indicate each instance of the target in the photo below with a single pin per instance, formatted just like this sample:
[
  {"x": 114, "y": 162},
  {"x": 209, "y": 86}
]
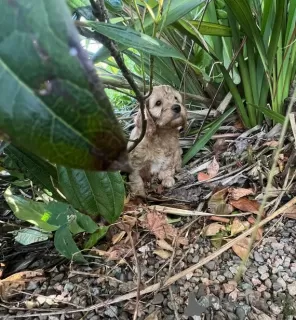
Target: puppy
[{"x": 159, "y": 153}]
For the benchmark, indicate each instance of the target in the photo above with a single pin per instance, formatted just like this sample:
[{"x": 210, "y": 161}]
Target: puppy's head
[{"x": 166, "y": 108}]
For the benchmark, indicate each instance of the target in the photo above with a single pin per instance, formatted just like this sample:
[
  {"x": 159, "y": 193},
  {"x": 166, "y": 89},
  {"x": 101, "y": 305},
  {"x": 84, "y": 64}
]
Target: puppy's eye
[
  {"x": 158, "y": 103},
  {"x": 176, "y": 98}
]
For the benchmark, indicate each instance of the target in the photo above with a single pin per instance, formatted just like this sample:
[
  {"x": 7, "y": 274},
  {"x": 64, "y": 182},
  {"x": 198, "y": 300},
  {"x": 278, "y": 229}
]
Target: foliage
[
  {"x": 54, "y": 105},
  {"x": 54, "y": 111},
  {"x": 250, "y": 45}
]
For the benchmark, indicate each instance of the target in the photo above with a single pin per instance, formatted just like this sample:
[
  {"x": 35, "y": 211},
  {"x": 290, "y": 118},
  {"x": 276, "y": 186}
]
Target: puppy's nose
[{"x": 176, "y": 108}]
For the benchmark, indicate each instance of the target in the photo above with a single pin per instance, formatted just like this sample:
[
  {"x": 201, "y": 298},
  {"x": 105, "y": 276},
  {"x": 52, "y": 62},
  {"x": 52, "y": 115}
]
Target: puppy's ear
[{"x": 150, "y": 129}]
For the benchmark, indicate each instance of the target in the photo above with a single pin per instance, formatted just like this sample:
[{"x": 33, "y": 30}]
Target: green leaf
[
  {"x": 86, "y": 222},
  {"x": 134, "y": 39},
  {"x": 200, "y": 143},
  {"x": 243, "y": 14},
  {"x": 270, "y": 114},
  {"x": 39, "y": 171},
  {"x": 53, "y": 104},
  {"x": 74, "y": 4},
  {"x": 177, "y": 10},
  {"x": 204, "y": 28},
  {"x": 96, "y": 193},
  {"x": 95, "y": 237},
  {"x": 66, "y": 246},
  {"x": 30, "y": 235},
  {"x": 31, "y": 211}
]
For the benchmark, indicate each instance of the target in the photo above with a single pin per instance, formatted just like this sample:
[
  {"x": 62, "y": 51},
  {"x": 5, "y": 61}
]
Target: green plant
[
  {"x": 59, "y": 129},
  {"x": 246, "y": 47}
]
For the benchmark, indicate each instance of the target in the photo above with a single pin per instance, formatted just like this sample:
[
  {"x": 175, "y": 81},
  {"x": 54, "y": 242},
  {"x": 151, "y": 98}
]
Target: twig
[
  {"x": 138, "y": 276},
  {"x": 107, "y": 86},
  {"x": 268, "y": 186},
  {"x": 219, "y": 88},
  {"x": 172, "y": 279},
  {"x": 100, "y": 12}
]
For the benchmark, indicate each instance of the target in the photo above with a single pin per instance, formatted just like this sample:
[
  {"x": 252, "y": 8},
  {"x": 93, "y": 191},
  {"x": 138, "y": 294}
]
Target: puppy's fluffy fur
[{"x": 159, "y": 153}]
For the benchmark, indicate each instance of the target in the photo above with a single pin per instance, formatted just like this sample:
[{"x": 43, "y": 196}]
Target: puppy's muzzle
[{"x": 176, "y": 108}]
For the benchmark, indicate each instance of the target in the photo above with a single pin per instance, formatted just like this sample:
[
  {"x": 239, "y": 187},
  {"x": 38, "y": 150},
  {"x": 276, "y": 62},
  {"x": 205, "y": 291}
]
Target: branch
[{"x": 101, "y": 14}]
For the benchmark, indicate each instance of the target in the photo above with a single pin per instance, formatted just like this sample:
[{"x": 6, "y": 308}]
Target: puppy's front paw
[{"x": 168, "y": 182}]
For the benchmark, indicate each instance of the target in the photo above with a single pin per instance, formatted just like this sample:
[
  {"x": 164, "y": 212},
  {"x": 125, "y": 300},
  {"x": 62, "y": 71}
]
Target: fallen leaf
[
  {"x": 153, "y": 316},
  {"x": 217, "y": 203},
  {"x": 219, "y": 147},
  {"x": 182, "y": 240},
  {"x": 213, "y": 168},
  {"x": 245, "y": 204},
  {"x": 119, "y": 251},
  {"x": 272, "y": 144},
  {"x": 117, "y": 237},
  {"x": 259, "y": 234},
  {"x": 241, "y": 248},
  {"x": 237, "y": 193},
  {"x": 162, "y": 254},
  {"x": 290, "y": 212},
  {"x": 131, "y": 221},
  {"x": 237, "y": 226},
  {"x": 164, "y": 245},
  {"x": 203, "y": 176},
  {"x": 212, "y": 229},
  {"x": 15, "y": 283}
]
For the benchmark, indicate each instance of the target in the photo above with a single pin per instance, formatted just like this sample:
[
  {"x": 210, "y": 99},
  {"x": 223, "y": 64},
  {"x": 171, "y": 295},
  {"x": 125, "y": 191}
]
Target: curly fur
[{"x": 159, "y": 153}]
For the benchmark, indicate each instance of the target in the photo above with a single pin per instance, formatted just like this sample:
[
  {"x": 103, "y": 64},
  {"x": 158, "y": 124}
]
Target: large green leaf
[
  {"x": 66, "y": 246},
  {"x": 96, "y": 193},
  {"x": 31, "y": 211},
  {"x": 134, "y": 39},
  {"x": 51, "y": 216},
  {"x": 52, "y": 102},
  {"x": 41, "y": 172}
]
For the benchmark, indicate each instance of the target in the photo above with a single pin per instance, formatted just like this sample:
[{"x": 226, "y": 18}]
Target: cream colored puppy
[{"x": 159, "y": 153}]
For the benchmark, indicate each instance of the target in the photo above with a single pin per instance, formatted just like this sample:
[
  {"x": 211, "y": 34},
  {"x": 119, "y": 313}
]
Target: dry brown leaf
[
  {"x": 183, "y": 241},
  {"x": 245, "y": 204},
  {"x": 213, "y": 168},
  {"x": 291, "y": 212},
  {"x": 212, "y": 229},
  {"x": 237, "y": 193},
  {"x": 119, "y": 251},
  {"x": 117, "y": 237},
  {"x": 156, "y": 222},
  {"x": 237, "y": 226},
  {"x": 17, "y": 282},
  {"x": 164, "y": 245},
  {"x": 162, "y": 254},
  {"x": 219, "y": 147},
  {"x": 241, "y": 247},
  {"x": 201, "y": 176},
  {"x": 217, "y": 203},
  {"x": 272, "y": 144},
  {"x": 131, "y": 221}
]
